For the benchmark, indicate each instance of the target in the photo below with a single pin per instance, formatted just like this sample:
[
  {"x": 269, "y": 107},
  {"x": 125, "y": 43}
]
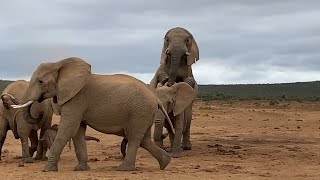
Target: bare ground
[{"x": 241, "y": 140}]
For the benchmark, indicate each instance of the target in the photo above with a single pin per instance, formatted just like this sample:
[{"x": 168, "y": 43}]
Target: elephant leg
[
  {"x": 25, "y": 148},
  {"x": 176, "y": 146},
  {"x": 135, "y": 137},
  {"x": 161, "y": 155},
  {"x": 41, "y": 149},
  {"x": 3, "y": 132},
  {"x": 186, "y": 143},
  {"x": 68, "y": 127},
  {"x": 34, "y": 142},
  {"x": 171, "y": 137},
  {"x": 79, "y": 142}
]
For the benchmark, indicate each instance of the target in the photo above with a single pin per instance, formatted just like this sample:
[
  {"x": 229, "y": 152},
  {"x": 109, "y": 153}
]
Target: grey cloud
[{"x": 248, "y": 37}]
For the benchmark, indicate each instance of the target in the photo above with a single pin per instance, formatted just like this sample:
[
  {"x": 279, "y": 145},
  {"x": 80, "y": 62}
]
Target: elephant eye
[{"x": 40, "y": 82}]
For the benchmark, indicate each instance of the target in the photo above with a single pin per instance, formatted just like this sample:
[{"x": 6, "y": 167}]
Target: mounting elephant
[
  {"x": 175, "y": 100},
  {"x": 179, "y": 52},
  {"x": 11, "y": 118},
  {"x": 112, "y": 104}
]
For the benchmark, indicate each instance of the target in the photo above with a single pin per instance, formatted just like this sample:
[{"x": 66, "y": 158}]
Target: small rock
[
  {"x": 134, "y": 173},
  {"x": 21, "y": 164},
  {"x": 237, "y": 147},
  {"x": 298, "y": 127},
  {"x": 93, "y": 159},
  {"x": 197, "y": 167}
]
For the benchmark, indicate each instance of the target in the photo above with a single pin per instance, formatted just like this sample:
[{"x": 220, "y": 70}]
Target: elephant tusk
[
  {"x": 187, "y": 53},
  {"x": 22, "y": 105},
  {"x": 167, "y": 51}
]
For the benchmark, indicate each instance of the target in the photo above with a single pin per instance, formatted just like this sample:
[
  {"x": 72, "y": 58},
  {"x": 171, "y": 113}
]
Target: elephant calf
[
  {"x": 51, "y": 134},
  {"x": 175, "y": 100}
]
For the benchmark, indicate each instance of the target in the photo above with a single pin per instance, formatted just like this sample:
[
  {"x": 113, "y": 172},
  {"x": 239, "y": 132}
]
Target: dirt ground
[{"x": 240, "y": 140}]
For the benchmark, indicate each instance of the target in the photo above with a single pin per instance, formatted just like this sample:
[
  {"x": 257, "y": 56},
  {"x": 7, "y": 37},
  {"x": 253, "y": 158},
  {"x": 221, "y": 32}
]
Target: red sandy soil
[{"x": 239, "y": 140}]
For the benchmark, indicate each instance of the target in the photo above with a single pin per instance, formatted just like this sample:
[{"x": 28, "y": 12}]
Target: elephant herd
[{"x": 69, "y": 89}]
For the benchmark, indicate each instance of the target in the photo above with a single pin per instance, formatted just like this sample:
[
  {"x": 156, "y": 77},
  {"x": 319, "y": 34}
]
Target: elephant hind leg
[
  {"x": 80, "y": 147},
  {"x": 161, "y": 155},
  {"x": 135, "y": 137}
]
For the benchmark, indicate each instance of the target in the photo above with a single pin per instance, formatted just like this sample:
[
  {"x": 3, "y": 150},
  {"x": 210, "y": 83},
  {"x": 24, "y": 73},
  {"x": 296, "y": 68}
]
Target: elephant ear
[
  {"x": 164, "y": 56},
  {"x": 73, "y": 75},
  {"x": 194, "y": 50},
  {"x": 185, "y": 94}
]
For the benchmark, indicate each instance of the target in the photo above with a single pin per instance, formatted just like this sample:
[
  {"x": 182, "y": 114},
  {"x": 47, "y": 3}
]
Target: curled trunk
[{"x": 27, "y": 116}]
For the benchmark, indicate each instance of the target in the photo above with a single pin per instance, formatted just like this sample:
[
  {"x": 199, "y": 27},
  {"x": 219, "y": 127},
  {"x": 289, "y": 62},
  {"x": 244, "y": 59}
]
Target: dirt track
[{"x": 242, "y": 140}]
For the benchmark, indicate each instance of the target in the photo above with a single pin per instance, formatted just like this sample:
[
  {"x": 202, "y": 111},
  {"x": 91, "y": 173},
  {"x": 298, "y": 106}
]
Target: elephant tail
[
  {"x": 124, "y": 147},
  {"x": 167, "y": 116}
]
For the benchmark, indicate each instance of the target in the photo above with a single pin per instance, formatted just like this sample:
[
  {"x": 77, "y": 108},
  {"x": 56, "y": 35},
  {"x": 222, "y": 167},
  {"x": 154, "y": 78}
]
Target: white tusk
[
  {"x": 22, "y": 105},
  {"x": 167, "y": 51},
  {"x": 187, "y": 53}
]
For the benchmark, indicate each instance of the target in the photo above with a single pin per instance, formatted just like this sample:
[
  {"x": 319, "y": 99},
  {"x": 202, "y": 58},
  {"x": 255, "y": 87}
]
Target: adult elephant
[
  {"x": 11, "y": 118},
  {"x": 112, "y": 104},
  {"x": 179, "y": 52}
]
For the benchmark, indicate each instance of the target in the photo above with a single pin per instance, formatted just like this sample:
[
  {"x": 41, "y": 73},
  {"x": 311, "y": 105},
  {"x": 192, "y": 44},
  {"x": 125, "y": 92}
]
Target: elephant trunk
[
  {"x": 158, "y": 128},
  {"x": 175, "y": 63},
  {"x": 27, "y": 116}
]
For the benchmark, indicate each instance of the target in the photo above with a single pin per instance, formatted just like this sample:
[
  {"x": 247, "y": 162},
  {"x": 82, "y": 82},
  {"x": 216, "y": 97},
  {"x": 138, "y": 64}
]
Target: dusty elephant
[
  {"x": 51, "y": 133},
  {"x": 11, "y": 118},
  {"x": 179, "y": 52},
  {"x": 175, "y": 100},
  {"x": 112, "y": 104}
]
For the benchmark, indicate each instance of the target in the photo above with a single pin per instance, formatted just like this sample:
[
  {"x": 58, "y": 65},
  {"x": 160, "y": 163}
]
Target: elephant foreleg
[
  {"x": 186, "y": 143},
  {"x": 176, "y": 148},
  {"x": 3, "y": 132},
  {"x": 79, "y": 142},
  {"x": 68, "y": 127},
  {"x": 25, "y": 148}
]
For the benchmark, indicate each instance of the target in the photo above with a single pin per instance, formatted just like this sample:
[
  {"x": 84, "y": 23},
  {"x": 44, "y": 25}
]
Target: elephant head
[
  {"x": 61, "y": 81},
  {"x": 179, "y": 47},
  {"x": 175, "y": 100}
]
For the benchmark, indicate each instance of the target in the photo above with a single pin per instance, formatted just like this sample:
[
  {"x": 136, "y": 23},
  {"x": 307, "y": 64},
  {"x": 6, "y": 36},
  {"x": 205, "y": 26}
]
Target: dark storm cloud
[{"x": 248, "y": 41}]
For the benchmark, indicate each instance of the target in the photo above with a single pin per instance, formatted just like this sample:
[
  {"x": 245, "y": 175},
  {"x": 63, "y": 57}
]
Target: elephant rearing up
[
  {"x": 112, "y": 104},
  {"x": 179, "y": 52}
]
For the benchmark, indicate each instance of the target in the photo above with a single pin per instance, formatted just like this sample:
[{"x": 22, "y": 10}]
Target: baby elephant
[
  {"x": 175, "y": 100},
  {"x": 51, "y": 133}
]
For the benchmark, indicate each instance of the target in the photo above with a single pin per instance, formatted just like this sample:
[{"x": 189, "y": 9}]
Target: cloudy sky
[{"x": 240, "y": 41}]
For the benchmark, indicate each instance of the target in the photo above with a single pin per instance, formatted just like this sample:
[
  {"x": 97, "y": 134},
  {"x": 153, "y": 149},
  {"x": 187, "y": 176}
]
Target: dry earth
[{"x": 240, "y": 140}]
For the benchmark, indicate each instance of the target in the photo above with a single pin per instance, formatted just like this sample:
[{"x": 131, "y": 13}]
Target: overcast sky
[{"x": 240, "y": 41}]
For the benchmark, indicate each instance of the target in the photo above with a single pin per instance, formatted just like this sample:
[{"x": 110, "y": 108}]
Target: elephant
[
  {"x": 113, "y": 104},
  {"x": 11, "y": 118},
  {"x": 51, "y": 133},
  {"x": 179, "y": 52},
  {"x": 175, "y": 100}
]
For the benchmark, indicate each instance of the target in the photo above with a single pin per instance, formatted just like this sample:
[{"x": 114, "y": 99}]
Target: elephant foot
[
  {"x": 38, "y": 157},
  {"x": 165, "y": 161},
  {"x": 81, "y": 167},
  {"x": 126, "y": 166},
  {"x": 176, "y": 154},
  {"x": 44, "y": 158},
  {"x": 32, "y": 150},
  {"x": 28, "y": 160},
  {"x": 187, "y": 146},
  {"x": 50, "y": 167}
]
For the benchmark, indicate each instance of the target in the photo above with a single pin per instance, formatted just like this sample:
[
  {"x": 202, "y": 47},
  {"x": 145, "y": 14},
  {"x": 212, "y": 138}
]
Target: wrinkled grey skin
[
  {"x": 175, "y": 100},
  {"x": 51, "y": 133},
  {"x": 179, "y": 52},
  {"x": 112, "y": 104},
  {"x": 12, "y": 119}
]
